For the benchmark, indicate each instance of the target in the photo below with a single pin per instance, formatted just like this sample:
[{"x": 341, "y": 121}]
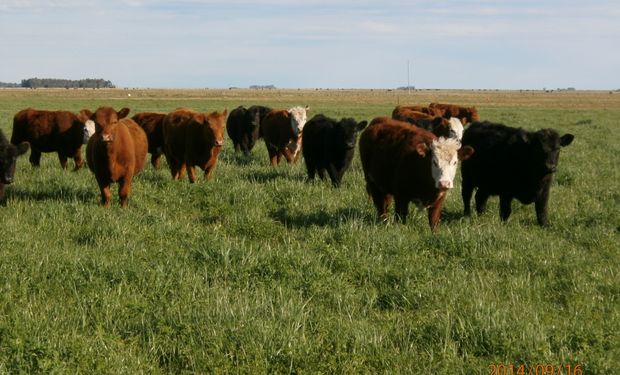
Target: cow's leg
[
  {"x": 380, "y": 199},
  {"x": 505, "y": 207},
  {"x": 541, "y": 205},
  {"x": 191, "y": 173},
  {"x": 274, "y": 158},
  {"x": 2, "y": 201},
  {"x": 35, "y": 157},
  {"x": 467, "y": 190},
  {"x": 311, "y": 168},
  {"x": 334, "y": 175},
  {"x": 63, "y": 160},
  {"x": 209, "y": 168},
  {"x": 238, "y": 147},
  {"x": 401, "y": 208},
  {"x": 156, "y": 160},
  {"x": 124, "y": 188},
  {"x": 481, "y": 201},
  {"x": 321, "y": 173},
  {"x": 77, "y": 159},
  {"x": 181, "y": 171},
  {"x": 434, "y": 212},
  {"x": 106, "y": 194}
]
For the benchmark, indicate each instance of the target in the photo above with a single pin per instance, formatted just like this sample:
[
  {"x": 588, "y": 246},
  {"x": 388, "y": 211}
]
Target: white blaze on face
[
  {"x": 456, "y": 127},
  {"x": 89, "y": 130},
  {"x": 445, "y": 161},
  {"x": 298, "y": 119}
]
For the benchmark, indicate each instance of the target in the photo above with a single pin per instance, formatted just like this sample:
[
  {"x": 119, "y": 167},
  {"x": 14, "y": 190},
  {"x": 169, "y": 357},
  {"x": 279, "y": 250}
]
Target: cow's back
[
  {"x": 47, "y": 131},
  {"x": 139, "y": 143},
  {"x": 152, "y": 124},
  {"x": 175, "y": 126},
  {"x": 389, "y": 158}
]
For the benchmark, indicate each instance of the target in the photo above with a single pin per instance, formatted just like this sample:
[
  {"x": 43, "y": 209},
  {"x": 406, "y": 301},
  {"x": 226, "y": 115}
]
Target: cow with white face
[
  {"x": 282, "y": 131},
  {"x": 408, "y": 164},
  {"x": 456, "y": 128}
]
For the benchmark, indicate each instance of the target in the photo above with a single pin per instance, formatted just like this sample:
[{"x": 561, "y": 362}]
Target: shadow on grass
[
  {"x": 47, "y": 194},
  {"x": 321, "y": 218},
  {"x": 264, "y": 177}
]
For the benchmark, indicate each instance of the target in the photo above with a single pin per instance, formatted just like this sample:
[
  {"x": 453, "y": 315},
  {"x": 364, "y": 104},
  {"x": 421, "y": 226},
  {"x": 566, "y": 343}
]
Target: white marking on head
[
  {"x": 444, "y": 153},
  {"x": 456, "y": 127},
  {"x": 298, "y": 119},
  {"x": 89, "y": 130}
]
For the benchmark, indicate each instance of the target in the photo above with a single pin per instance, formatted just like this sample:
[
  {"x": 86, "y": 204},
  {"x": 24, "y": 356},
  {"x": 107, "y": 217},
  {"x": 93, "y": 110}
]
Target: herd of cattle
[{"x": 410, "y": 157}]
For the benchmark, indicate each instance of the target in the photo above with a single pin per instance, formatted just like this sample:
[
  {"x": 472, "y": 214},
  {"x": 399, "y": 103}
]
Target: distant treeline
[{"x": 34, "y": 83}]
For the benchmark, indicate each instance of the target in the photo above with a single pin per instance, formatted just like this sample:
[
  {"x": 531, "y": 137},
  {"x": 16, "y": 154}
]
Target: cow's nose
[
  {"x": 445, "y": 184},
  {"x": 219, "y": 142},
  {"x": 551, "y": 168},
  {"x": 7, "y": 179},
  {"x": 107, "y": 137}
]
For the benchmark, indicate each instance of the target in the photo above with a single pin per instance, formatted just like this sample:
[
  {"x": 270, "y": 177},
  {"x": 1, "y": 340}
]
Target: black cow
[
  {"x": 243, "y": 126},
  {"x": 329, "y": 144},
  {"x": 512, "y": 163},
  {"x": 8, "y": 156}
]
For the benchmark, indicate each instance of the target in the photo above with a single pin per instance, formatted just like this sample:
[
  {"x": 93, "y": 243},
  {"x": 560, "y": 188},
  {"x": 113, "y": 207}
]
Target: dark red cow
[
  {"x": 52, "y": 131},
  {"x": 116, "y": 152},
  {"x": 282, "y": 130},
  {"x": 465, "y": 114},
  {"x": 408, "y": 164},
  {"x": 193, "y": 139},
  {"x": 152, "y": 124}
]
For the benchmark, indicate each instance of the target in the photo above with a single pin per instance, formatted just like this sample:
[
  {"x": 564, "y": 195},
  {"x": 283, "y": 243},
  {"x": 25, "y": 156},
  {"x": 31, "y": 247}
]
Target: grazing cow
[
  {"x": 193, "y": 139},
  {"x": 466, "y": 115},
  {"x": 417, "y": 108},
  {"x": 151, "y": 123},
  {"x": 243, "y": 126},
  {"x": 329, "y": 144},
  {"x": 441, "y": 127},
  {"x": 116, "y": 152},
  {"x": 511, "y": 163},
  {"x": 282, "y": 132},
  {"x": 8, "y": 157},
  {"x": 52, "y": 131},
  {"x": 409, "y": 164}
]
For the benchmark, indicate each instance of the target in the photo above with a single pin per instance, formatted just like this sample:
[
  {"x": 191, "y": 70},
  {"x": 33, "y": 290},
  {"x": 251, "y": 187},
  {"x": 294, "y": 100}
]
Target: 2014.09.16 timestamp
[{"x": 538, "y": 369}]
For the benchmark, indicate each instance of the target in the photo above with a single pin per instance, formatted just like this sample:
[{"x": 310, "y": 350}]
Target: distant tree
[{"x": 34, "y": 83}]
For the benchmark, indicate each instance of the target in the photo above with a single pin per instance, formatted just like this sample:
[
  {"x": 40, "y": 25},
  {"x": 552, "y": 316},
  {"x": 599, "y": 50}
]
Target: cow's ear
[
  {"x": 566, "y": 139},
  {"x": 361, "y": 125},
  {"x": 123, "y": 113},
  {"x": 421, "y": 149},
  {"x": 22, "y": 148},
  {"x": 464, "y": 121},
  {"x": 522, "y": 136},
  {"x": 225, "y": 112},
  {"x": 437, "y": 122},
  {"x": 465, "y": 152},
  {"x": 307, "y": 108},
  {"x": 85, "y": 115}
]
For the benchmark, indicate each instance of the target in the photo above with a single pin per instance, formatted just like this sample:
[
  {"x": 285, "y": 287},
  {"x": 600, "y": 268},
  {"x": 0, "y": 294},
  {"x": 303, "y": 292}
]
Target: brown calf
[
  {"x": 51, "y": 131},
  {"x": 193, "y": 139},
  {"x": 282, "y": 129},
  {"x": 408, "y": 164},
  {"x": 116, "y": 152}
]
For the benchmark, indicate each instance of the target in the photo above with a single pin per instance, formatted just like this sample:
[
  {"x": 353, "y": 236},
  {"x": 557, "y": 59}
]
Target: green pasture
[{"x": 258, "y": 271}]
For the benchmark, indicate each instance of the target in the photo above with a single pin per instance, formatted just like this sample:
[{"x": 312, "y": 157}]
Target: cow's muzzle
[
  {"x": 219, "y": 143},
  {"x": 107, "y": 138}
]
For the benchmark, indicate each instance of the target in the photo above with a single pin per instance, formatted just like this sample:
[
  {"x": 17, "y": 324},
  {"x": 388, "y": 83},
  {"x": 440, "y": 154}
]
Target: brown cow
[
  {"x": 116, "y": 152},
  {"x": 466, "y": 115},
  {"x": 408, "y": 164},
  {"x": 52, "y": 131},
  {"x": 193, "y": 139},
  {"x": 418, "y": 108},
  {"x": 152, "y": 124},
  {"x": 441, "y": 127},
  {"x": 282, "y": 129}
]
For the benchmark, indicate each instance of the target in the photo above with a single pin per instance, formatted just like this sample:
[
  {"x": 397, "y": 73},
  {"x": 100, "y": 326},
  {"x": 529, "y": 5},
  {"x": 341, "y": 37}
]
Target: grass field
[{"x": 258, "y": 271}]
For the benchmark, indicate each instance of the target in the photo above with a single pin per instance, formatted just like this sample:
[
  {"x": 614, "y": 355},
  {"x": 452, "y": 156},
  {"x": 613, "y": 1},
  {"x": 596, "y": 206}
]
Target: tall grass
[{"x": 258, "y": 271}]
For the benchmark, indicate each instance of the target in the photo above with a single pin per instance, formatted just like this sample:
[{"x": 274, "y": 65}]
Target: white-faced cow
[
  {"x": 52, "y": 131},
  {"x": 408, "y": 164},
  {"x": 512, "y": 163},
  {"x": 329, "y": 145},
  {"x": 282, "y": 132}
]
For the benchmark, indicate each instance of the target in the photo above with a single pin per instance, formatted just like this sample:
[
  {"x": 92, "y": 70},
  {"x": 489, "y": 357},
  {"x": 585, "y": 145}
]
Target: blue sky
[{"x": 503, "y": 44}]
